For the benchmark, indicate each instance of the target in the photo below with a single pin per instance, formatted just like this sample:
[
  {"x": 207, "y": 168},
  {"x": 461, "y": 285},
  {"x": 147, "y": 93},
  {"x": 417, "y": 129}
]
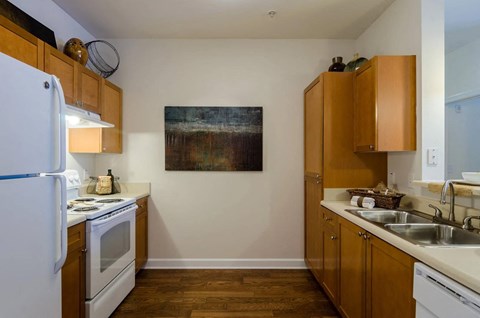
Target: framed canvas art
[{"x": 204, "y": 138}]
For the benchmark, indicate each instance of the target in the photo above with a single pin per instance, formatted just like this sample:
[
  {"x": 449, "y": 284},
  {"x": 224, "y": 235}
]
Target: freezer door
[
  {"x": 32, "y": 124},
  {"x": 30, "y": 247}
]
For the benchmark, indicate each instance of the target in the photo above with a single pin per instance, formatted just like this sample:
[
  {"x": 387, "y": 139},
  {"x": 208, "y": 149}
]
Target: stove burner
[
  {"x": 109, "y": 200},
  {"x": 84, "y": 199},
  {"x": 86, "y": 209}
]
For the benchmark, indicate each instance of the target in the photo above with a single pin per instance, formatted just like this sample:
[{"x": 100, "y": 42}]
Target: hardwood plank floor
[{"x": 226, "y": 293}]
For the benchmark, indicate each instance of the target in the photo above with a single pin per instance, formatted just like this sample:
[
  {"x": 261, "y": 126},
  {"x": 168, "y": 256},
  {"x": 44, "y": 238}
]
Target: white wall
[
  {"x": 413, "y": 27},
  {"x": 462, "y": 81},
  {"x": 52, "y": 16},
  {"x": 220, "y": 215},
  {"x": 462, "y": 72}
]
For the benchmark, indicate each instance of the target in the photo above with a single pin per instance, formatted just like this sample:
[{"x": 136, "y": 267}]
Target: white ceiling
[
  {"x": 295, "y": 19},
  {"x": 462, "y": 23}
]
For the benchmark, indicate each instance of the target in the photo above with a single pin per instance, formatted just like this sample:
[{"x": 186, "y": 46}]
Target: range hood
[{"x": 80, "y": 118}]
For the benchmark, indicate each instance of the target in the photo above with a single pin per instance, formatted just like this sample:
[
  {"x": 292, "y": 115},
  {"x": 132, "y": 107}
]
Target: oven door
[{"x": 111, "y": 248}]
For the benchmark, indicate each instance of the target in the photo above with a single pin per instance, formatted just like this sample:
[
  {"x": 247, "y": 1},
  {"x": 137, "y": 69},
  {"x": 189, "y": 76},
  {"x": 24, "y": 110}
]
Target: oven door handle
[{"x": 96, "y": 223}]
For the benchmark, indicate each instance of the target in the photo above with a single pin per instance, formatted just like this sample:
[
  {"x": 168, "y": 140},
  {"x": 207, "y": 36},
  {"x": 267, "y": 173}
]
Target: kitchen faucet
[{"x": 443, "y": 198}]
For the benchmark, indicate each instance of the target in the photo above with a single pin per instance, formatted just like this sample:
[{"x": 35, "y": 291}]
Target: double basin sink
[{"x": 418, "y": 229}]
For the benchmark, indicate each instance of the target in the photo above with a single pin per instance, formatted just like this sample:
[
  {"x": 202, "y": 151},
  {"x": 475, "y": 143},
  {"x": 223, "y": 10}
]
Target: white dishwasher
[{"x": 438, "y": 296}]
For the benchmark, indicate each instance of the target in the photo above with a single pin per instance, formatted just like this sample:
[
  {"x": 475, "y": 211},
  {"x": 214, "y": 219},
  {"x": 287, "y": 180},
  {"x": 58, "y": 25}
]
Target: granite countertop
[{"x": 460, "y": 264}]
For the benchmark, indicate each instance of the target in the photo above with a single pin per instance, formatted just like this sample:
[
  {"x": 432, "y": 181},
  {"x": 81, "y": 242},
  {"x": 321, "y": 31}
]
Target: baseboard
[{"x": 226, "y": 263}]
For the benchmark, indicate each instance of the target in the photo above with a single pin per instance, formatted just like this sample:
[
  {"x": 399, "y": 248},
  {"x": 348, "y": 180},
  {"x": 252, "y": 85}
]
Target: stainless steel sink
[
  {"x": 388, "y": 216},
  {"x": 435, "y": 235}
]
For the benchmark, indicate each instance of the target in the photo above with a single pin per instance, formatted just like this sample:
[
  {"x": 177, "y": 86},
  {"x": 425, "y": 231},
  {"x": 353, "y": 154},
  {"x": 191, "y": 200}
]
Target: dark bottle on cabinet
[{"x": 337, "y": 65}]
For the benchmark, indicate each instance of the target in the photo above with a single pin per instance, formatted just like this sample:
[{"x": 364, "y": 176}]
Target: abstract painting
[{"x": 213, "y": 138}]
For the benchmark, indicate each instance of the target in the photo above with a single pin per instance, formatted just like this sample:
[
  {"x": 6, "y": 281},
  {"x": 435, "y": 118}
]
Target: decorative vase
[
  {"x": 75, "y": 49},
  {"x": 355, "y": 64},
  {"x": 337, "y": 65}
]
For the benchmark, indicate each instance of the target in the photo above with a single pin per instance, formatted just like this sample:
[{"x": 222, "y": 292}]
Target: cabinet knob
[
  {"x": 327, "y": 219},
  {"x": 333, "y": 237},
  {"x": 318, "y": 182},
  {"x": 366, "y": 236},
  {"x": 372, "y": 147},
  {"x": 360, "y": 234},
  {"x": 84, "y": 251},
  {"x": 317, "y": 176}
]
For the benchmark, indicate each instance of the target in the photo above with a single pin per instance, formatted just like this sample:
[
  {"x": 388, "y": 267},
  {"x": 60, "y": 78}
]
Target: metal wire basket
[{"x": 98, "y": 52}]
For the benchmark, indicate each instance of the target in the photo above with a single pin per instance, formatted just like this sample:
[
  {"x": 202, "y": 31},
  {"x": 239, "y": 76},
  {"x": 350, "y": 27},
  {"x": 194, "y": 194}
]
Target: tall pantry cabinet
[{"x": 330, "y": 162}]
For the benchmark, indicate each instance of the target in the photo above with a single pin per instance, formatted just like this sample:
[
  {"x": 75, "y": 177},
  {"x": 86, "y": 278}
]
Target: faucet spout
[{"x": 448, "y": 185}]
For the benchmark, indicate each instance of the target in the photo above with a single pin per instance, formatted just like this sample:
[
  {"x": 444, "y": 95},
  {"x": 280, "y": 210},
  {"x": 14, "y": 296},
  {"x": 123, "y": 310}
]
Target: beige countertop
[
  {"x": 460, "y": 264},
  {"x": 74, "y": 219},
  {"x": 128, "y": 190}
]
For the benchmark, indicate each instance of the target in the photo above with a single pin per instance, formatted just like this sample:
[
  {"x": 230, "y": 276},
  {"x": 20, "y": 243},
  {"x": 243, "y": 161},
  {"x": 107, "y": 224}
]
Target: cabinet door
[
  {"x": 89, "y": 89},
  {"x": 351, "y": 301},
  {"x": 141, "y": 234},
  {"x": 313, "y": 227},
  {"x": 20, "y": 44},
  {"x": 112, "y": 113},
  {"x": 389, "y": 281},
  {"x": 313, "y": 114},
  {"x": 63, "y": 67},
  {"x": 365, "y": 112},
  {"x": 330, "y": 262},
  {"x": 73, "y": 274},
  {"x": 385, "y": 104}
]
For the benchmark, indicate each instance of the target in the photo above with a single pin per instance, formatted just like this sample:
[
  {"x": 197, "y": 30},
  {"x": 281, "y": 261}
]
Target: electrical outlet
[
  {"x": 86, "y": 175},
  {"x": 392, "y": 178},
  {"x": 410, "y": 180},
  {"x": 432, "y": 156}
]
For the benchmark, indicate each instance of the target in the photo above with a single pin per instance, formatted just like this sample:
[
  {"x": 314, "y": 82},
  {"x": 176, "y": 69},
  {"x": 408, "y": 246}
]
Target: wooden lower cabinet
[
  {"x": 313, "y": 226},
  {"x": 364, "y": 276},
  {"x": 330, "y": 254},
  {"x": 141, "y": 234},
  {"x": 389, "y": 281},
  {"x": 73, "y": 274},
  {"x": 351, "y": 302}
]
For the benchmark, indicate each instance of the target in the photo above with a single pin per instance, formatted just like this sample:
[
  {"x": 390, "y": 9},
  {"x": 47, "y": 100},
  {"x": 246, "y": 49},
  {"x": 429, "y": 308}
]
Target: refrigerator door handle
[
  {"x": 63, "y": 216},
  {"x": 61, "y": 145}
]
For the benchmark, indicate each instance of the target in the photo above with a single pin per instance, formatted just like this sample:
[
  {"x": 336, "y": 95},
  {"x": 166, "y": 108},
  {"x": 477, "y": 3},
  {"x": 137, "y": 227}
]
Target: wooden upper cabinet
[
  {"x": 20, "y": 44},
  {"x": 101, "y": 140},
  {"x": 81, "y": 87},
  {"x": 63, "y": 67},
  {"x": 112, "y": 113},
  {"x": 385, "y": 105},
  {"x": 313, "y": 117},
  {"x": 89, "y": 89}
]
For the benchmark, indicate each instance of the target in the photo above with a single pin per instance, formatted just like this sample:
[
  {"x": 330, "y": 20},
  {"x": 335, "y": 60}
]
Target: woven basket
[{"x": 388, "y": 201}]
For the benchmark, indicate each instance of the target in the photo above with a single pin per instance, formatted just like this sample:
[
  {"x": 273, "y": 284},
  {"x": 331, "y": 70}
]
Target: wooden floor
[{"x": 226, "y": 293}]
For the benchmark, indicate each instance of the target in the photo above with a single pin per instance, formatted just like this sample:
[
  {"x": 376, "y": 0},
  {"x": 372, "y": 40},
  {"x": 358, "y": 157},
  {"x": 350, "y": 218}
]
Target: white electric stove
[
  {"x": 110, "y": 236},
  {"x": 93, "y": 208}
]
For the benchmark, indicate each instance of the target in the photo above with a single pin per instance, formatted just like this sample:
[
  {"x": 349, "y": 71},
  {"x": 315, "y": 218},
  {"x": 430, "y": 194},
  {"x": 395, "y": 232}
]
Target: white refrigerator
[{"x": 33, "y": 231}]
